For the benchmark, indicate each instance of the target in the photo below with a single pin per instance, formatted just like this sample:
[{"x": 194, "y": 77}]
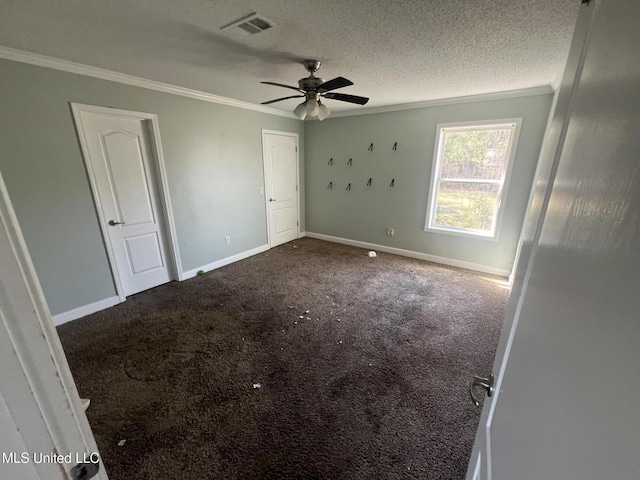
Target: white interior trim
[
  {"x": 85, "y": 310},
  {"x": 409, "y": 253},
  {"x": 23, "y": 56},
  {"x": 73, "y": 67},
  {"x": 27, "y": 329},
  {"x": 80, "y": 312},
  {"x": 225, "y": 261},
  {"x": 483, "y": 97},
  {"x": 515, "y": 124},
  {"x": 264, "y": 178},
  {"x": 174, "y": 260}
]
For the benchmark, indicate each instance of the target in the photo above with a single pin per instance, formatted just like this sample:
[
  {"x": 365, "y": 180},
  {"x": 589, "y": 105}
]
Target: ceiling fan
[{"x": 313, "y": 89}]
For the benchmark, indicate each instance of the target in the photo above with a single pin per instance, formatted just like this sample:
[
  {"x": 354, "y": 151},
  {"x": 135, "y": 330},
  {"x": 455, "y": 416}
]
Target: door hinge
[
  {"x": 296, "y": 188},
  {"x": 297, "y": 224},
  {"x": 84, "y": 471}
]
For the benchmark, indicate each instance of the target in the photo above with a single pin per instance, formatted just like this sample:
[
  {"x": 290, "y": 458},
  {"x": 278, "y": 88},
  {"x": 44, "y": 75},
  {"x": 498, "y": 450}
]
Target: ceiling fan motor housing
[{"x": 310, "y": 83}]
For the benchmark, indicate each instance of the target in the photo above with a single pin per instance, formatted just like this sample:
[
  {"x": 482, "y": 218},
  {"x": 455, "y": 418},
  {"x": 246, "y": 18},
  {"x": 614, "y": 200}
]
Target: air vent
[{"x": 249, "y": 25}]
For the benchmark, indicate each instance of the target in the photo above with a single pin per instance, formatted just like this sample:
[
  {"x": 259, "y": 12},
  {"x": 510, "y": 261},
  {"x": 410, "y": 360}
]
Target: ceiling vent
[{"x": 249, "y": 25}]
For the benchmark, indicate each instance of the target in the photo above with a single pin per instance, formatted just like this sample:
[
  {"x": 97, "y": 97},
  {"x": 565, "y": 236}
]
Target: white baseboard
[
  {"x": 80, "y": 312},
  {"x": 85, "y": 310},
  {"x": 302, "y": 234},
  {"x": 409, "y": 253},
  {"x": 225, "y": 261}
]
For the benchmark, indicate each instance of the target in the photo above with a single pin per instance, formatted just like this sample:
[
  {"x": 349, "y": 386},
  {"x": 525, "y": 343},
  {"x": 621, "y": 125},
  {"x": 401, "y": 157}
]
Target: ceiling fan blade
[
  {"x": 337, "y": 82},
  {"x": 347, "y": 98},
  {"x": 280, "y": 99},
  {"x": 281, "y": 85}
]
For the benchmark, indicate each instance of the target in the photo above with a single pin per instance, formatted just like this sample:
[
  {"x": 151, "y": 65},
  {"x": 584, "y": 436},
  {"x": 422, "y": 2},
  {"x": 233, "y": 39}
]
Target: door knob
[
  {"x": 272, "y": 199},
  {"x": 113, "y": 222},
  {"x": 486, "y": 383}
]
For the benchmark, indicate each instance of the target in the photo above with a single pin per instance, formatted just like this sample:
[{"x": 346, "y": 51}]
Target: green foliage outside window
[{"x": 468, "y": 158}]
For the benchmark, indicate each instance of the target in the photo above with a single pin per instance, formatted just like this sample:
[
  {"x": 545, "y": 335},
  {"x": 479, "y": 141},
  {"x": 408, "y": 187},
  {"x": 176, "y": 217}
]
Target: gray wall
[
  {"x": 365, "y": 213},
  {"x": 213, "y": 155}
]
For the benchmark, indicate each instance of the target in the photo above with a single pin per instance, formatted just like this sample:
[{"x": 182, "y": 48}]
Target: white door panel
[
  {"x": 125, "y": 165},
  {"x": 122, "y": 166},
  {"x": 144, "y": 253},
  {"x": 280, "y": 152},
  {"x": 40, "y": 411},
  {"x": 566, "y": 400},
  {"x": 284, "y": 220}
]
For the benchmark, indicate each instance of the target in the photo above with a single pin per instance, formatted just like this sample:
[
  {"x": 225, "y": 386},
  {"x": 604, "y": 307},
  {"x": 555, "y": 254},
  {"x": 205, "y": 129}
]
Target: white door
[
  {"x": 280, "y": 151},
  {"x": 565, "y": 405},
  {"x": 40, "y": 411},
  {"x": 121, "y": 164}
]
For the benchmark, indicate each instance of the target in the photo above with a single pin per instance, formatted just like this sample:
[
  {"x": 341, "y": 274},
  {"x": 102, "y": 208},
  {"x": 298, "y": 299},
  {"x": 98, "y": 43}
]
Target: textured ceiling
[{"x": 395, "y": 51}]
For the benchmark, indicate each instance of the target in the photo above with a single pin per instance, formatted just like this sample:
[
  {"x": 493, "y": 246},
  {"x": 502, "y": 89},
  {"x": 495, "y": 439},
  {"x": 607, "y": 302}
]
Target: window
[{"x": 470, "y": 172}]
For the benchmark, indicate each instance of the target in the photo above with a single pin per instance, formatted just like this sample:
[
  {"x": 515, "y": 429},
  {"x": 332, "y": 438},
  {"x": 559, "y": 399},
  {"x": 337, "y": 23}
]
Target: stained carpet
[{"x": 309, "y": 361}]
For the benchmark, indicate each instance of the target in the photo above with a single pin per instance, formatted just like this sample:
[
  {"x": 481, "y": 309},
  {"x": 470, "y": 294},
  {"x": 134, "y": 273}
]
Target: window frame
[{"x": 435, "y": 179}]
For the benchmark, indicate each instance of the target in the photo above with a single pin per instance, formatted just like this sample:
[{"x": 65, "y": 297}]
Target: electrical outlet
[
  {"x": 390, "y": 232},
  {"x": 227, "y": 240}
]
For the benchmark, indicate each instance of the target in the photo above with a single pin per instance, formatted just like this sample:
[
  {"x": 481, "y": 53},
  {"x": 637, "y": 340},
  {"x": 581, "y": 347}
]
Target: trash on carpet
[
  {"x": 257, "y": 385},
  {"x": 372, "y": 254},
  {"x": 121, "y": 443}
]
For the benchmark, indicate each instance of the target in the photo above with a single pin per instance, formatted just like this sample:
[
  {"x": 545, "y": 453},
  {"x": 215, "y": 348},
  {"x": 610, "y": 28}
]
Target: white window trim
[{"x": 502, "y": 193}]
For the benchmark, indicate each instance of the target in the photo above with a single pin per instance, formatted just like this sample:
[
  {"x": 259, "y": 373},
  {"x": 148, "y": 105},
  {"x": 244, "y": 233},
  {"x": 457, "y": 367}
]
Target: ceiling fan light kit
[
  {"x": 313, "y": 88},
  {"x": 323, "y": 112},
  {"x": 301, "y": 111}
]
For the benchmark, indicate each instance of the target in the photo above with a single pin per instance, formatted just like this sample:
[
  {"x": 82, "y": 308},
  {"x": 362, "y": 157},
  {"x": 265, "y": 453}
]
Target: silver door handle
[
  {"x": 486, "y": 383},
  {"x": 113, "y": 222},
  {"x": 272, "y": 199}
]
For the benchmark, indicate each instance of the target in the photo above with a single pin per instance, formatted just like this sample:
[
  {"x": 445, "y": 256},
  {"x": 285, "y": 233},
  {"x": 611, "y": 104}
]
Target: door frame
[
  {"x": 264, "y": 178},
  {"x": 25, "y": 322},
  {"x": 174, "y": 262}
]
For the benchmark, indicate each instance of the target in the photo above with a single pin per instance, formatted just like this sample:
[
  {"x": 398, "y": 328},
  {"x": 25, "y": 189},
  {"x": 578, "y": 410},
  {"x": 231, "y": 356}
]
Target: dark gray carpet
[{"x": 370, "y": 383}]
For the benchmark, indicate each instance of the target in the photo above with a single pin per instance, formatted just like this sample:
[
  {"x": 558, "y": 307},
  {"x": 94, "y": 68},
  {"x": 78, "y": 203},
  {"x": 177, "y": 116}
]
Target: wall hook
[
  {"x": 330, "y": 186},
  {"x": 369, "y": 183},
  {"x": 349, "y": 187},
  {"x": 330, "y": 162},
  {"x": 393, "y": 181},
  {"x": 350, "y": 162},
  {"x": 371, "y": 147},
  {"x": 395, "y": 146}
]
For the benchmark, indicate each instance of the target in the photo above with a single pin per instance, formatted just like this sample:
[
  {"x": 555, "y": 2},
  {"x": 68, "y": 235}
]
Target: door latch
[
  {"x": 84, "y": 471},
  {"x": 486, "y": 383}
]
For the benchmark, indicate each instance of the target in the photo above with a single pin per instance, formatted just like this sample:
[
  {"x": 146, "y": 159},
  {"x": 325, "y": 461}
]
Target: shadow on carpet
[{"x": 309, "y": 361}]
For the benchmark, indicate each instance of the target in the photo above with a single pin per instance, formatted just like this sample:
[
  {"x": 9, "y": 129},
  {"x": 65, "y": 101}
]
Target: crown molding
[
  {"x": 483, "y": 97},
  {"x": 23, "y": 56}
]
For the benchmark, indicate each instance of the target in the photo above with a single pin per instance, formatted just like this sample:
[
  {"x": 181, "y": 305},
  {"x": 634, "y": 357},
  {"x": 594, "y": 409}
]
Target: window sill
[{"x": 463, "y": 233}]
